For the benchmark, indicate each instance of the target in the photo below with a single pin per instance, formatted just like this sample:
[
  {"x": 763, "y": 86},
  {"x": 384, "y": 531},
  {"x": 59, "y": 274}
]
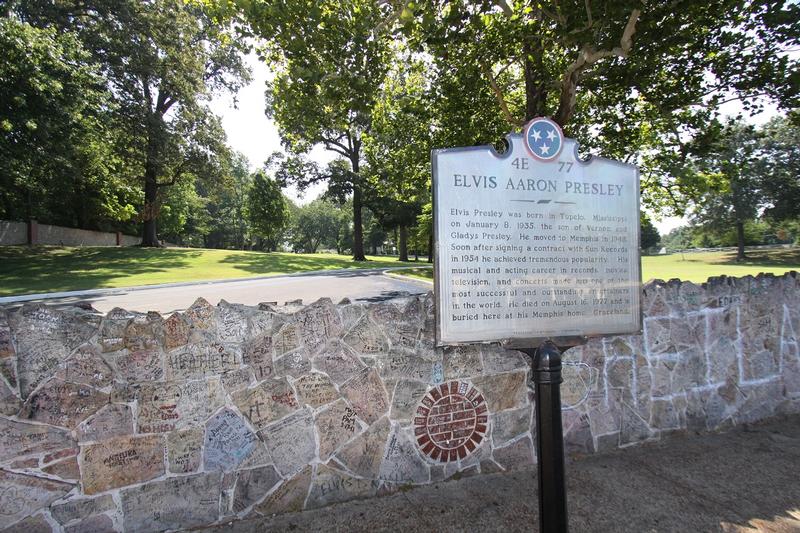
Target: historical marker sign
[{"x": 534, "y": 242}]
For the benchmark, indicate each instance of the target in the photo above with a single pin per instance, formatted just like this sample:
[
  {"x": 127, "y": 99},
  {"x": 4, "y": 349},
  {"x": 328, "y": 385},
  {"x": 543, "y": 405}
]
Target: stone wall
[
  {"x": 139, "y": 422},
  {"x": 13, "y": 233},
  {"x": 17, "y": 233}
]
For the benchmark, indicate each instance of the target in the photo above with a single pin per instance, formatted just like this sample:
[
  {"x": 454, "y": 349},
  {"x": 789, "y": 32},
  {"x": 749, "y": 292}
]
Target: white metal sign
[{"x": 534, "y": 242}]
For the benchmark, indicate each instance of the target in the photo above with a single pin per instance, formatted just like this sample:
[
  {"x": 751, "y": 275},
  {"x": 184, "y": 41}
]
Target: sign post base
[{"x": 549, "y": 438}]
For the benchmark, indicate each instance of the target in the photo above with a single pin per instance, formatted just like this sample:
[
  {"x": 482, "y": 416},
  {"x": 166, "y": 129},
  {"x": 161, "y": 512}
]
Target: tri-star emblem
[{"x": 544, "y": 139}]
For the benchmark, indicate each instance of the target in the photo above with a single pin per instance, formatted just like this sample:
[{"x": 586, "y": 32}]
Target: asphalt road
[{"x": 364, "y": 285}]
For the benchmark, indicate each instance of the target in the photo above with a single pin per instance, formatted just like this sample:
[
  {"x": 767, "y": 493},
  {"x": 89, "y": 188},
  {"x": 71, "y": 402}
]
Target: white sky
[{"x": 250, "y": 132}]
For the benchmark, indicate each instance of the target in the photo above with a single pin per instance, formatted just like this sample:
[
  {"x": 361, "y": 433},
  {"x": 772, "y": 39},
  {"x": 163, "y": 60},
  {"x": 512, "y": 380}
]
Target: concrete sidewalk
[{"x": 747, "y": 479}]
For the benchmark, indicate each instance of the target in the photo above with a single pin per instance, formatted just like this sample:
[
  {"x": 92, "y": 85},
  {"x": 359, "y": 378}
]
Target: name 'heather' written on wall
[{"x": 535, "y": 249}]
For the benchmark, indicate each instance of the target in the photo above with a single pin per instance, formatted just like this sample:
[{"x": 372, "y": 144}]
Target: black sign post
[{"x": 549, "y": 438}]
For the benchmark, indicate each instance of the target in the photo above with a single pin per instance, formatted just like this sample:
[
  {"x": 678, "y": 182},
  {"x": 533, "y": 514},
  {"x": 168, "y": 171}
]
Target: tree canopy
[{"x": 160, "y": 62}]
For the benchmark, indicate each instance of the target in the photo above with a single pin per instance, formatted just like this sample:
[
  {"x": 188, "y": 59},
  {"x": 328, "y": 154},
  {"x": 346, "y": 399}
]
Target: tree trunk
[
  {"x": 430, "y": 248},
  {"x": 358, "y": 229},
  {"x": 740, "y": 255},
  {"x": 402, "y": 243},
  {"x": 150, "y": 209},
  {"x": 535, "y": 86},
  {"x": 149, "y": 234}
]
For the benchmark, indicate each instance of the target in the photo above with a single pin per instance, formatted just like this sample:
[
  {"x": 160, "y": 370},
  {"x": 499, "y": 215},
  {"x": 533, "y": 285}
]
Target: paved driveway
[{"x": 362, "y": 285}]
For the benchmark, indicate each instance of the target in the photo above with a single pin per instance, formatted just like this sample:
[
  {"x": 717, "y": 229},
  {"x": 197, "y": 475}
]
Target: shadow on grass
[
  {"x": 277, "y": 262},
  {"x": 789, "y": 258},
  {"x": 25, "y": 270}
]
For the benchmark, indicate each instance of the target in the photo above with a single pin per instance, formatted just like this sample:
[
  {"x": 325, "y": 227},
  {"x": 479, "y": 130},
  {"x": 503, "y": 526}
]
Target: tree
[
  {"x": 398, "y": 149},
  {"x": 315, "y": 224},
  {"x": 329, "y": 59},
  {"x": 56, "y": 153},
  {"x": 267, "y": 210},
  {"x": 636, "y": 81},
  {"x": 733, "y": 197},
  {"x": 649, "y": 236},
  {"x": 778, "y": 167},
  {"x": 162, "y": 59}
]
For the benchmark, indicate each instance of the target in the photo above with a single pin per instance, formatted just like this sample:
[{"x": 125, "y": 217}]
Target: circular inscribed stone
[{"x": 450, "y": 422}]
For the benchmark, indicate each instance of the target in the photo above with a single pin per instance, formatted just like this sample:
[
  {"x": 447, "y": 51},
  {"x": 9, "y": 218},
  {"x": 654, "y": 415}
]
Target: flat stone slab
[
  {"x": 81, "y": 508},
  {"x": 333, "y": 486},
  {"x": 268, "y": 401},
  {"x": 289, "y": 497},
  {"x": 338, "y": 362},
  {"x": 176, "y": 331},
  {"x": 317, "y": 323},
  {"x": 402, "y": 462},
  {"x": 228, "y": 441},
  {"x": 291, "y": 442},
  {"x": 407, "y": 395},
  {"x": 366, "y": 394},
  {"x": 176, "y": 405},
  {"x": 184, "y": 450},
  {"x": 95, "y": 524},
  {"x": 195, "y": 361},
  {"x": 366, "y": 338},
  {"x": 363, "y": 455},
  {"x": 44, "y": 338},
  {"x": 10, "y": 403},
  {"x": 174, "y": 503},
  {"x": 111, "y": 420},
  {"x": 87, "y": 367},
  {"x": 258, "y": 356},
  {"x": 503, "y": 391},
  {"x": 60, "y": 403},
  {"x": 121, "y": 461},
  {"x": 32, "y": 524},
  {"x": 237, "y": 380},
  {"x": 336, "y": 425},
  {"x": 18, "y": 439},
  {"x": 22, "y": 495},
  {"x": 252, "y": 485},
  {"x": 315, "y": 389}
]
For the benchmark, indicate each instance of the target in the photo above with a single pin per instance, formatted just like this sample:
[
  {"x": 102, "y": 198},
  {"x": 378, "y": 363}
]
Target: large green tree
[
  {"x": 267, "y": 210},
  {"x": 57, "y": 162},
  {"x": 778, "y": 167},
  {"x": 635, "y": 80},
  {"x": 315, "y": 224},
  {"x": 734, "y": 195},
  {"x": 162, "y": 60},
  {"x": 398, "y": 148},
  {"x": 329, "y": 59}
]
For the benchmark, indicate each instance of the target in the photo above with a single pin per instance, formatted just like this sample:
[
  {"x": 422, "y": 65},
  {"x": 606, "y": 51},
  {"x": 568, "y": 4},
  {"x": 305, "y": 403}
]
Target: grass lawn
[
  {"x": 698, "y": 267},
  {"x": 42, "y": 269},
  {"x": 425, "y": 273}
]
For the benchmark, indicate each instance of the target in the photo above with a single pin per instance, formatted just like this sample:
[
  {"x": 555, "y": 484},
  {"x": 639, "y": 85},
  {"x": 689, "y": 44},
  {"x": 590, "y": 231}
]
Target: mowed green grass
[
  {"x": 41, "y": 269},
  {"x": 697, "y": 266}
]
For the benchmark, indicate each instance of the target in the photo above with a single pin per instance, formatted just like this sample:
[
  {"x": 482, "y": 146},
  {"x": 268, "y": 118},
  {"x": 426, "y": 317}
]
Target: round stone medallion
[{"x": 450, "y": 422}]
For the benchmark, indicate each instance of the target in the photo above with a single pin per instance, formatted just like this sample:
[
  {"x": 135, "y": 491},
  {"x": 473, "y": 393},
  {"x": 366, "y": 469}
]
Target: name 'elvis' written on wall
[{"x": 531, "y": 249}]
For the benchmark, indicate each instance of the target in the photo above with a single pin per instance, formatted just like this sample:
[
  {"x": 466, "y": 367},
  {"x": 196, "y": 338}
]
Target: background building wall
[{"x": 17, "y": 233}]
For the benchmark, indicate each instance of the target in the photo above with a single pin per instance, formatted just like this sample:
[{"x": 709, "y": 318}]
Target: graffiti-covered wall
[{"x": 138, "y": 422}]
